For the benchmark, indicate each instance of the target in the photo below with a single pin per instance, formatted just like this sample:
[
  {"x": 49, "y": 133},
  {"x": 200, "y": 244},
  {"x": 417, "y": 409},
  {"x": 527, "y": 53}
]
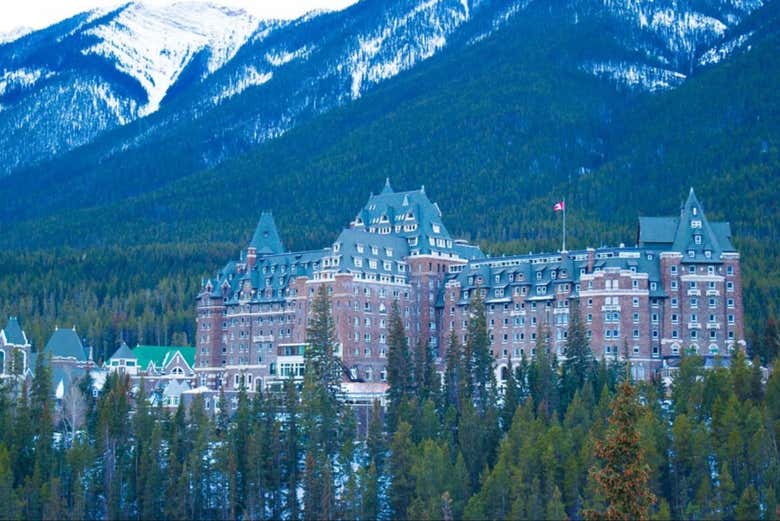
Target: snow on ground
[
  {"x": 22, "y": 78},
  {"x": 636, "y": 75},
  {"x": 248, "y": 77},
  {"x": 724, "y": 50}
]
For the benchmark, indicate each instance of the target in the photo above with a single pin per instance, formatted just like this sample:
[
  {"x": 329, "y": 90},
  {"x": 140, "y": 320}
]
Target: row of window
[{"x": 710, "y": 269}]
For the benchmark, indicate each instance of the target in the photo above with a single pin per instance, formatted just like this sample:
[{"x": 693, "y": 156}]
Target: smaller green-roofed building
[
  {"x": 158, "y": 366},
  {"x": 157, "y": 358}
]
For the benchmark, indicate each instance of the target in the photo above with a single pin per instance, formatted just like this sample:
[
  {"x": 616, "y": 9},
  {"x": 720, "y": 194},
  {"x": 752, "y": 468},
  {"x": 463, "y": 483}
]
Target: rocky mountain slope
[{"x": 222, "y": 81}]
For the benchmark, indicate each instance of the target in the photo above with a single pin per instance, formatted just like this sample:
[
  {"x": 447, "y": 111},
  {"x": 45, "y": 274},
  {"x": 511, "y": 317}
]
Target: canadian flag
[{"x": 559, "y": 206}]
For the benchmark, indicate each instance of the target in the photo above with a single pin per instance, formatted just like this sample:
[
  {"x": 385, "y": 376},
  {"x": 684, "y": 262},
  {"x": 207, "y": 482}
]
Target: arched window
[
  {"x": 2, "y": 362},
  {"x": 178, "y": 371}
]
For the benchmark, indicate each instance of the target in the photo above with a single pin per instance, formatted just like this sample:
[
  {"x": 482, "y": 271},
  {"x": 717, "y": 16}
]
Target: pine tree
[
  {"x": 292, "y": 450},
  {"x": 479, "y": 364},
  {"x": 369, "y": 485},
  {"x": 543, "y": 378},
  {"x": 578, "y": 364},
  {"x": 322, "y": 367},
  {"x": 321, "y": 415},
  {"x": 555, "y": 510},
  {"x": 399, "y": 367},
  {"x": 511, "y": 398},
  {"x": 9, "y": 500},
  {"x": 454, "y": 379},
  {"x": 375, "y": 441},
  {"x": 400, "y": 469},
  {"x": 624, "y": 475},
  {"x": 748, "y": 507}
]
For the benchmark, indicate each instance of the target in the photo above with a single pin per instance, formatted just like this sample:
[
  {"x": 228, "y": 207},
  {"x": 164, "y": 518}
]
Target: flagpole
[{"x": 564, "y": 225}]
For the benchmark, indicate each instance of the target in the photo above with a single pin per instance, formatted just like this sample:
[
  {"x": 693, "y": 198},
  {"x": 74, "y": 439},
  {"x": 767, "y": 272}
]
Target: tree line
[{"x": 568, "y": 439}]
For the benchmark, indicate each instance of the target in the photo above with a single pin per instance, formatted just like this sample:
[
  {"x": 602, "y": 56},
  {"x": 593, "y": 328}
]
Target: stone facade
[{"x": 677, "y": 290}]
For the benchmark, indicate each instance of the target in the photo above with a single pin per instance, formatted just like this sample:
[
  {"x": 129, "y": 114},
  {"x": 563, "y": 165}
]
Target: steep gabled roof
[
  {"x": 123, "y": 352},
  {"x": 266, "y": 239},
  {"x": 691, "y": 232},
  {"x": 14, "y": 334},
  {"x": 65, "y": 343}
]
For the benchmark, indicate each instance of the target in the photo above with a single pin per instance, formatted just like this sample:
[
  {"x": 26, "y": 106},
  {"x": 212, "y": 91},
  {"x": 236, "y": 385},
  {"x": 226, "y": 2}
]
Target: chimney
[{"x": 251, "y": 257}]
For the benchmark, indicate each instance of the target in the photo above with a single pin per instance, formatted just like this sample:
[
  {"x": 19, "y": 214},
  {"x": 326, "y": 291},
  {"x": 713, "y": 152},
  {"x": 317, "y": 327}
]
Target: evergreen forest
[{"x": 576, "y": 440}]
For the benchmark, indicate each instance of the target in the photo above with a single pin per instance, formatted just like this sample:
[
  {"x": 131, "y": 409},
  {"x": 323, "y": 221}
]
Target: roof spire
[
  {"x": 387, "y": 189},
  {"x": 266, "y": 237}
]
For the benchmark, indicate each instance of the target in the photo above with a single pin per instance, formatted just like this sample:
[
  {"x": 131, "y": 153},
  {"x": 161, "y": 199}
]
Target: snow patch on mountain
[
  {"x": 248, "y": 77},
  {"x": 155, "y": 44},
  {"x": 278, "y": 58},
  {"x": 499, "y": 20},
  {"x": 392, "y": 49},
  {"x": 635, "y": 75},
  {"x": 724, "y": 50},
  {"x": 22, "y": 78}
]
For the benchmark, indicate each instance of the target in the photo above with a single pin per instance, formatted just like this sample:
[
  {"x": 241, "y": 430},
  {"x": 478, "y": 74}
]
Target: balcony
[
  {"x": 713, "y": 293},
  {"x": 263, "y": 338},
  {"x": 694, "y": 325},
  {"x": 694, "y": 293},
  {"x": 610, "y": 308},
  {"x": 713, "y": 325},
  {"x": 517, "y": 313}
]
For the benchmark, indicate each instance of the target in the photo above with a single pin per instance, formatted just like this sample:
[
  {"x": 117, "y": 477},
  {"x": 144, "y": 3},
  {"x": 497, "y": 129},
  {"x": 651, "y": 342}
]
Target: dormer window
[
  {"x": 697, "y": 238},
  {"x": 707, "y": 254},
  {"x": 436, "y": 228},
  {"x": 696, "y": 224},
  {"x": 695, "y": 211},
  {"x": 374, "y": 250},
  {"x": 336, "y": 247},
  {"x": 360, "y": 248},
  {"x": 691, "y": 253}
]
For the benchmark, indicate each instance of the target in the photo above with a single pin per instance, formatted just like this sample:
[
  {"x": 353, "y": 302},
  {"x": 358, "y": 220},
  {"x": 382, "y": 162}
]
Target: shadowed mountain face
[{"x": 212, "y": 82}]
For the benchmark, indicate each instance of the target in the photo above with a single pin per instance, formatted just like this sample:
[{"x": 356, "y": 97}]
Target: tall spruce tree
[
  {"x": 623, "y": 474},
  {"x": 321, "y": 407},
  {"x": 578, "y": 364},
  {"x": 402, "y": 456},
  {"x": 479, "y": 372},
  {"x": 454, "y": 379},
  {"x": 511, "y": 397},
  {"x": 399, "y": 367}
]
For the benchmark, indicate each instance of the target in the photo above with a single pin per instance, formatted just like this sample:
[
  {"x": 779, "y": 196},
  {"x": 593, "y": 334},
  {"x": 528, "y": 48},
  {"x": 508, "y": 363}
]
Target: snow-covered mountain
[{"x": 235, "y": 81}]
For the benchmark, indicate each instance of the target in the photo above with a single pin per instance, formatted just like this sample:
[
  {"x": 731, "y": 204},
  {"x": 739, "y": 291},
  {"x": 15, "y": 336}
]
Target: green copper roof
[
  {"x": 266, "y": 239},
  {"x": 13, "y": 332},
  {"x": 161, "y": 355},
  {"x": 65, "y": 343}
]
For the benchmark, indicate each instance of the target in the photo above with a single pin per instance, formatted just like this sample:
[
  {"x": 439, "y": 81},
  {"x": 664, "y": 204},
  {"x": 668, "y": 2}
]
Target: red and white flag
[{"x": 559, "y": 206}]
